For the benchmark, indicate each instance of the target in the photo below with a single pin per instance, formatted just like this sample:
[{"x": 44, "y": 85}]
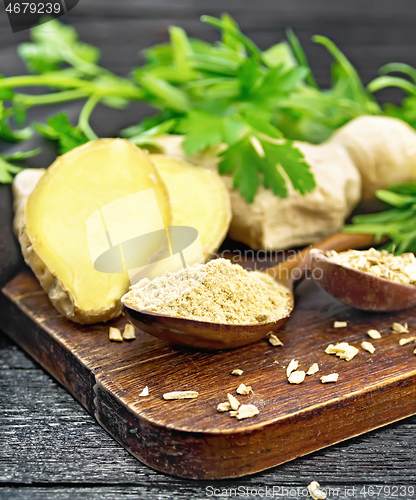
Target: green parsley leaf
[
  {"x": 161, "y": 92},
  {"x": 145, "y": 138},
  {"x": 242, "y": 160},
  {"x": 301, "y": 57},
  {"x": 8, "y": 170},
  {"x": 292, "y": 161},
  {"x": 6, "y": 131},
  {"x": 248, "y": 75},
  {"x": 398, "y": 223},
  {"x": 56, "y": 43},
  {"x": 251, "y": 168},
  {"x": 59, "y": 129},
  {"x": 258, "y": 123},
  {"x": 203, "y": 130}
]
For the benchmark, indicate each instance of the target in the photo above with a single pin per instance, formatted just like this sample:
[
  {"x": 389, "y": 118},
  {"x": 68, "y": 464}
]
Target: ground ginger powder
[{"x": 216, "y": 292}]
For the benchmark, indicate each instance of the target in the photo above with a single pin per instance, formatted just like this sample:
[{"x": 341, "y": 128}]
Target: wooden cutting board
[{"x": 189, "y": 438}]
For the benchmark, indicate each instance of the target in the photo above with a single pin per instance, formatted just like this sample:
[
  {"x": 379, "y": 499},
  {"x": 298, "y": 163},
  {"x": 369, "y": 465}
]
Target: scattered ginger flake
[
  {"x": 368, "y": 346},
  {"x": 222, "y": 407},
  {"x": 145, "y": 392},
  {"x": 313, "y": 369},
  {"x": 237, "y": 372},
  {"x": 243, "y": 389},
  {"x": 276, "y": 362},
  {"x": 293, "y": 365},
  {"x": 398, "y": 328},
  {"x": 129, "y": 332},
  {"x": 245, "y": 411},
  {"x": 296, "y": 377},
  {"x": 349, "y": 353},
  {"x": 340, "y": 324},
  {"x": 233, "y": 413},
  {"x": 274, "y": 340},
  {"x": 234, "y": 403},
  {"x": 181, "y": 395},
  {"x": 374, "y": 334},
  {"x": 315, "y": 492},
  {"x": 404, "y": 341},
  {"x": 114, "y": 334},
  {"x": 333, "y": 377},
  {"x": 343, "y": 350}
]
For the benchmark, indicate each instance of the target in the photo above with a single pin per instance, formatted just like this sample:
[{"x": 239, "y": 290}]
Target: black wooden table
[{"x": 49, "y": 446}]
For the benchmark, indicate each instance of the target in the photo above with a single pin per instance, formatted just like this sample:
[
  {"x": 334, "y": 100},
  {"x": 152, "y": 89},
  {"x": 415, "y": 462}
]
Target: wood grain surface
[
  {"x": 51, "y": 448},
  {"x": 190, "y": 438}
]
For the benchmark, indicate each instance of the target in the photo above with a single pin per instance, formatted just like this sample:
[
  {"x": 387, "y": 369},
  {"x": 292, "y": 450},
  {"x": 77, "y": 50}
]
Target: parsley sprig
[
  {"x": 69, "y": 68},
  {"x": 231, "y": 97},
  {"x": 228, "y": 93},
  {"x": 397, "y": 221},
  {"x": 7, "y": 167}
]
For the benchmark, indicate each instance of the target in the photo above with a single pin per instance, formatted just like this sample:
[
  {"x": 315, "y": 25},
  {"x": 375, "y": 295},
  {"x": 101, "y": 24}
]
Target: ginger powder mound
[{"x": 216, "y": 292}]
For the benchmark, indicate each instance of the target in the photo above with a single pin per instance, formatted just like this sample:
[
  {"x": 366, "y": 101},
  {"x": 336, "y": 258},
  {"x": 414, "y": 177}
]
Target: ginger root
[
  {"x": 71, "y": 221},
  {"x": 197, "y": 198},
  {"x": 366, "y": 154},
  {"x": 383, "y": 150}
]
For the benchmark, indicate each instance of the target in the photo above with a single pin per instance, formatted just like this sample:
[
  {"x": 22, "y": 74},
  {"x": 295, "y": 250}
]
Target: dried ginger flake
[
  {"x": 292, "y": 366},
  {"x": 129, "y": 332},
  {"x": 332, "y": 377},
  {"x": 404, "y": 341},
  {"x": 374, "y": 334},
  {"x": 313, "y": 369},
  {"x": 343, "y": 350},
  {"x": 181, "y": 395},
  {"x": 234, "y": 403},
  {"x": 315, "y": 492},
  {"x": 245, "y": 411},
  {"x": 368, "y": 346},
  {"x": 237, "y": 372},
  {"x": 243, "y": 390},
  {"x": 380, "y": 263},
  {"x": 114, "y": 334},
  {"x": 296, "y": 377},
  {"x": 274, "y": 340},
  {"x": 399, "y": 328}
]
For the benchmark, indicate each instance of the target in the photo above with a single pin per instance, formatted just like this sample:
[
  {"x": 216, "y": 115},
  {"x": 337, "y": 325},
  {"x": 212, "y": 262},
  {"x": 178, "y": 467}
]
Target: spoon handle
[{"x": 294, "y": 267}]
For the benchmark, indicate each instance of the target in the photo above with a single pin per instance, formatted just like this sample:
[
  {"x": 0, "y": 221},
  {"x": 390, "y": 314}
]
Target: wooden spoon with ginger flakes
[{"x": 206, "y": 335}]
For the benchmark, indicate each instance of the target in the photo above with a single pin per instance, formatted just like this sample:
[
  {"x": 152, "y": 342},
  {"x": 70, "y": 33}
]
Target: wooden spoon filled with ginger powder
[
  {"x": 220, "y": 305},
  {"x": 216, "y": 292}
]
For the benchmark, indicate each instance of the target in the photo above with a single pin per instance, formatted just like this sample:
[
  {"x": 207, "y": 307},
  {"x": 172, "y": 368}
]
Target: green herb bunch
[
  {"x": 59, "y": 61},
  {"x": 243, "y": 104},
  {"x": 397, "y": 222}
]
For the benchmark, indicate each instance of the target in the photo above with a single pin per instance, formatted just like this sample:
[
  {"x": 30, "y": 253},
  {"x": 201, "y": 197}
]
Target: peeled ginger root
[
  {"x": 272, "y": 223},
  {"x": 366, "y": 154},
  {"x": 198, "y": 199},
  {"x": 383, "y": 149},
  {"x": 73, "y": 217},
  {"x": 23, "y": 184}
]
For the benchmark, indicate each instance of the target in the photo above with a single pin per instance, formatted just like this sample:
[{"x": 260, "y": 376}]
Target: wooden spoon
[
  {"x": 360, "y": 289},
  {"x": 205, "y": 335}
]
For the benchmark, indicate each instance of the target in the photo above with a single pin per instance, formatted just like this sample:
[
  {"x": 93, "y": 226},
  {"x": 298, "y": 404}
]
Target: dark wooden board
[
  {"x": 189, "y": 438},
  {"x": 52, "y": 448}
]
